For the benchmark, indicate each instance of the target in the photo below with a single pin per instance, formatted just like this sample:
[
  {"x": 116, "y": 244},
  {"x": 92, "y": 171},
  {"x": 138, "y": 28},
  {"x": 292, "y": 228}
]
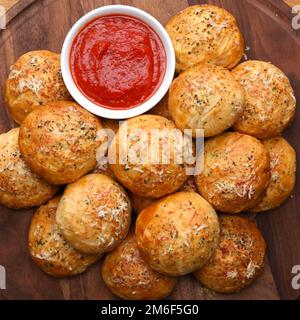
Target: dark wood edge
[
  {"x": 17, "y": 8},
  {"x": 281, "y": 8},
  {"x": 280, "y": 5}
]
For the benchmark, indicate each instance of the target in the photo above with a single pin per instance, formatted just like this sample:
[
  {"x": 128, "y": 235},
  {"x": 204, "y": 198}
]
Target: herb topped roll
[
  {"x": 94, "y": 214},
  {"x": 48, "y": 248},
  {"x": 59, "y": 141},
  {"x": 34, "y": 80}
]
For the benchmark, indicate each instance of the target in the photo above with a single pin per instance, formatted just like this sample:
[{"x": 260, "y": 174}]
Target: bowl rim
[{"x": 96, "y": 109}]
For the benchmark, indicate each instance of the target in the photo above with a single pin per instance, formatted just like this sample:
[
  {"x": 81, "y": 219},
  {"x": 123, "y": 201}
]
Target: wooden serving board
[{"x": 43, "y": 24}]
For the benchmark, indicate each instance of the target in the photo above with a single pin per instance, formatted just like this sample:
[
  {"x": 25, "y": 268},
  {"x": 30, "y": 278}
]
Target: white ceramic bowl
[{"x": 95, "y": 108}]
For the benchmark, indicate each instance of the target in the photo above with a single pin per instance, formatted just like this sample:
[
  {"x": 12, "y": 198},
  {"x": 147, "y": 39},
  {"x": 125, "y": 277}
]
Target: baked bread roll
[
  {"x": 205, "y": 33},
  {"x": 270, "y": 103},
  {"x": 138, "y": 172},
  {"x": 236, "y": 172},
  {"x": 59, "y": 141},
  {"x": 178, "y": 233},
  {"x": 34, "y": 80},
  {"x": 206, "y": 97},
  {"x": 283, "y": 174},
  {"x": 94, "y": 214},
  {"x": 20, "y": 188},
  {"x": 239, "y": 258},
  {"x": 139, "y": 203},
  {"x": 129, "y": 276},
  {"x": 49, "y": 250}
]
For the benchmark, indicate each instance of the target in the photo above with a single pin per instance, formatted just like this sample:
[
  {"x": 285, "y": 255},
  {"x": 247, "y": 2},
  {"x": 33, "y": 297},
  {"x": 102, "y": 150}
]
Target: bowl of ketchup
[{"x": 117, "y": 61}]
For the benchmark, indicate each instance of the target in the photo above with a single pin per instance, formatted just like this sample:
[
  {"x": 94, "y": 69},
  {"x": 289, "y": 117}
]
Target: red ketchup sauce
[{"x": 117, "y": 61}]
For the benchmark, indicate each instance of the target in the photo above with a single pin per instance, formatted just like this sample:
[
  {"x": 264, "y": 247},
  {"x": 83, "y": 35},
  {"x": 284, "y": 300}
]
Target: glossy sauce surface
[{"x": 117, "y": 61}]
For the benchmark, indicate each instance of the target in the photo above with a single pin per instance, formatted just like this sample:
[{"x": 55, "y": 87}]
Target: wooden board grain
[
  {"x": 10, "y": 3},
  {"x": 267, "y": 30},
  {"x": 13, "y": 8}
]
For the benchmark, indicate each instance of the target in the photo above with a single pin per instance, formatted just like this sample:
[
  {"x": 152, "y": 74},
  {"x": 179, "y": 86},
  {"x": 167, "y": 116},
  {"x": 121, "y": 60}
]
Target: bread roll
[
  {"x": 138, "y": 172},
  {"x": 139, "y": 203},
  {"x": 177, "y": 234},
  {"x": 239, "y": 258},
  {"x": 283, "y": 174},
  {"x": 206, "y": 97},
  {"x": 129, "y": 276},
  {"x": 236, "y": 172},
  {"x": 49, "y": 250},
  {"x": 59, "y": 141},
  {"x": 94, "y": 214},
  {"x": 205, "y": 33},
  {"x": 20, "y": 188},
  {"x": 270, "y": 102},
  {"x": 35, "y": 79}
]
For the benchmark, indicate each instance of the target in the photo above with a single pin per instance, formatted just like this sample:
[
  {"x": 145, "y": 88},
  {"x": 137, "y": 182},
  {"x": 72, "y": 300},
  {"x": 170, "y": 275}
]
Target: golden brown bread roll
[
  {"x": 20, "y": 188},
  {"x": 34, "y": 80},
  {"x": 59, "y": 141},
  {"x": 283, "y": 174},
  {"x": 49, "y": 250},
  {"x": 236, "y": 172},
  {"x": 205, "y": 33},
  {"x": 178, "y": 233},
  {"x": 239, "y": 258},
  {"x": 129, "y": 276},
  {"x": 142, "y": 176},
  {"x": 269, "y": 99},
  {"x": 139, "y": 203},
  {"x": 94, "y": 214},
  {"x": 206, "y": 97}
]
